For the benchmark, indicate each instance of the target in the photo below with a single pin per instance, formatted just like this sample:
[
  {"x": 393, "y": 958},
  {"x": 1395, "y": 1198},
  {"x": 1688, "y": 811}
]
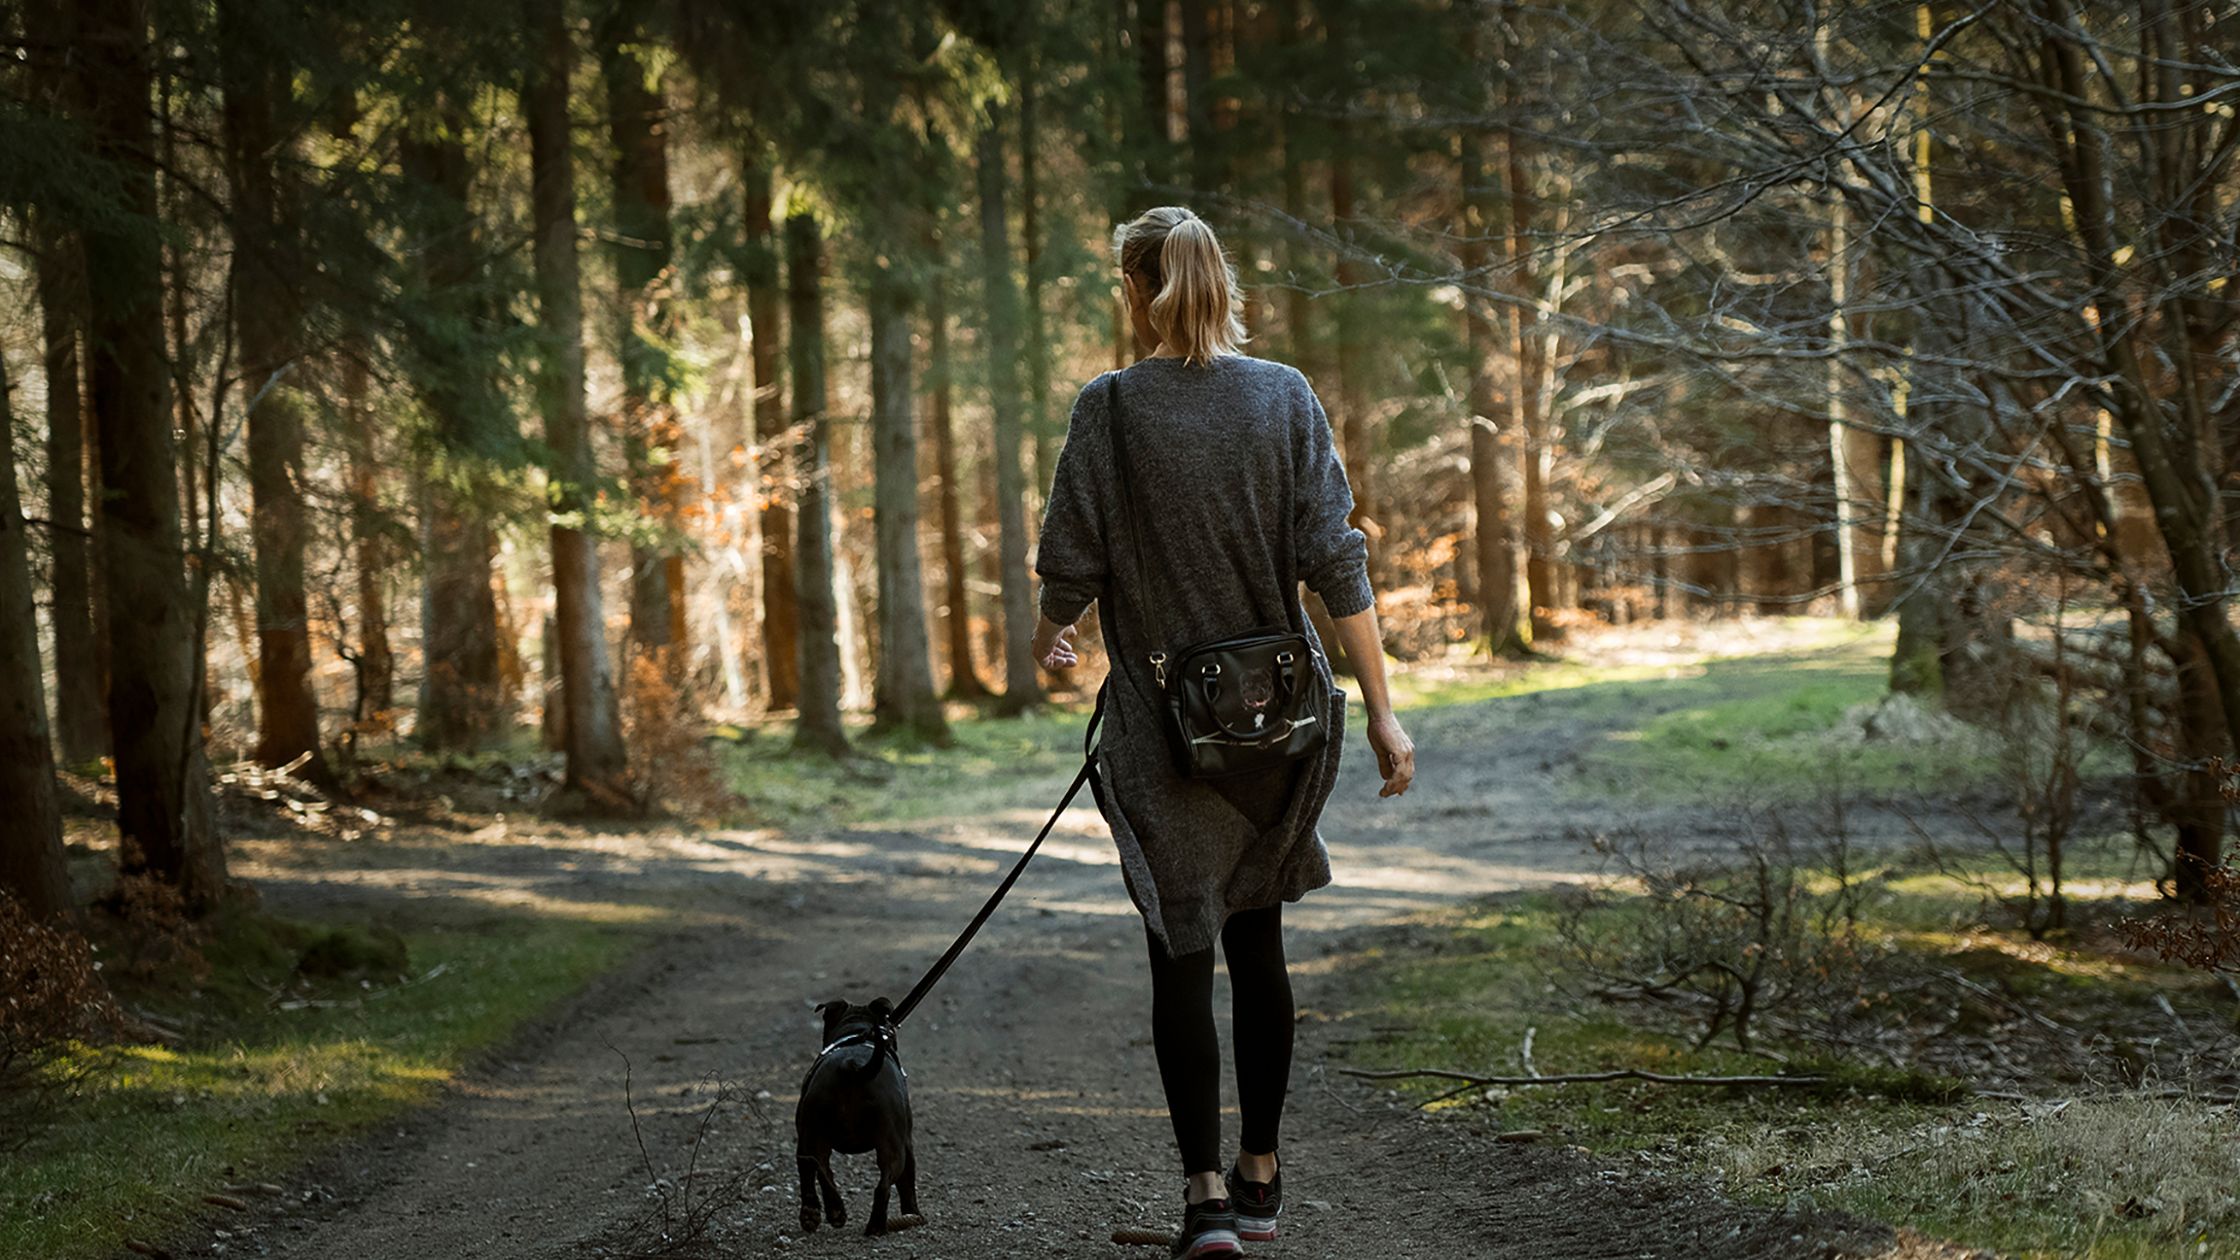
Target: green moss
[{"x": 268, "y": 1072}]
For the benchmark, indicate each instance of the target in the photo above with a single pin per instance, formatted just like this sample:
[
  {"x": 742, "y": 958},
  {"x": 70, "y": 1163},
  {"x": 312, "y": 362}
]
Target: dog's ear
[
  {"x": 880, "y": 1009},
  {"x": 832, "y": 1011}
]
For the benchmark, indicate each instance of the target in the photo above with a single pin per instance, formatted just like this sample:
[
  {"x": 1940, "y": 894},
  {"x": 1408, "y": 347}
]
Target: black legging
[{"x": 1190, "y": 1051}]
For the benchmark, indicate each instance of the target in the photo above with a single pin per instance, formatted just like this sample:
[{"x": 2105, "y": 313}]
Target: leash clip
[{"x": 1159, "y": 667}]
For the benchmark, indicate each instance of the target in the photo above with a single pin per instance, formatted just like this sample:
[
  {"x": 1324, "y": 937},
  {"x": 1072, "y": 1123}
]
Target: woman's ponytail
[{"x": 1174, "y": 255}]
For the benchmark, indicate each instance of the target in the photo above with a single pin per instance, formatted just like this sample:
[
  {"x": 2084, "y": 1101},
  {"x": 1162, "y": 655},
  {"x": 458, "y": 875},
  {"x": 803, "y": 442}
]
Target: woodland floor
[{"x": 1037, "y": 1102}]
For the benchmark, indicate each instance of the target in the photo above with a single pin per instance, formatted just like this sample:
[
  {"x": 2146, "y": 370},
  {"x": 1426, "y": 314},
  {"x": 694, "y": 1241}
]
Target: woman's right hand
[{"x": 1396, "y": 754}]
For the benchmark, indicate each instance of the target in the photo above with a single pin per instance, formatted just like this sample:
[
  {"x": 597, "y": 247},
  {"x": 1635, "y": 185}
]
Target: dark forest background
[{"x": 422, "y": 371}]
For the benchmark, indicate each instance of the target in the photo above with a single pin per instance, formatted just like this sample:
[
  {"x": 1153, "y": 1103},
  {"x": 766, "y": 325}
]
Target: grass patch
[
  {"x": 990, "y": 765},
  {"x": 1769, "y": 728},
  {"x": 2106, "y": 1177},
  {"x": 271, "y": 1069}
]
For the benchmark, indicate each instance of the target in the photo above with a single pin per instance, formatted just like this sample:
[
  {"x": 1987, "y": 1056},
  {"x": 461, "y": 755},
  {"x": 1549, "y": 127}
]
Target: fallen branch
[{"x": 1577, "y": 1078}]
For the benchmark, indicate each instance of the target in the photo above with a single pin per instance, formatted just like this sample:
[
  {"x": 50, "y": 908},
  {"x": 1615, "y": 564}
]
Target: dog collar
[{"x": 882, "y": 1036}]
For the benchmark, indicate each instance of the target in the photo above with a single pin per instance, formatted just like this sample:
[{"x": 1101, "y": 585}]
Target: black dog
[{"x": 856, "y": 1098}]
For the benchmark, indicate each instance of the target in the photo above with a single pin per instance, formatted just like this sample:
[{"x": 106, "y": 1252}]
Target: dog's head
[{"x": 842, "y": 1017}]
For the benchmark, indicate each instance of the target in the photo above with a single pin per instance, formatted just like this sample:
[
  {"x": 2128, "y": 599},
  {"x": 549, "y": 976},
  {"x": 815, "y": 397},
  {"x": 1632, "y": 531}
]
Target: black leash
[{"x": 1086, "y": 774}]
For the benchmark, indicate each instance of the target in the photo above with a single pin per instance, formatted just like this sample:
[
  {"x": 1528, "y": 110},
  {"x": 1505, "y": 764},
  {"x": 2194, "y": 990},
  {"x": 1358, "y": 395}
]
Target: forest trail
[{"x": 1037, "y": 1100}]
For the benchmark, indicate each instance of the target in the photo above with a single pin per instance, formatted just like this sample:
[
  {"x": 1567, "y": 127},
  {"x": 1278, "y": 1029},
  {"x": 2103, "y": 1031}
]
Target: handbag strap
[{"x": 1118, "y": 433}]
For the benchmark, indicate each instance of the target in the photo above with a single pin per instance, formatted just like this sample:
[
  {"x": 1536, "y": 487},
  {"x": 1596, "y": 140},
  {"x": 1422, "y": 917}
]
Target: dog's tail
[{"x": 853, "y": 1065}]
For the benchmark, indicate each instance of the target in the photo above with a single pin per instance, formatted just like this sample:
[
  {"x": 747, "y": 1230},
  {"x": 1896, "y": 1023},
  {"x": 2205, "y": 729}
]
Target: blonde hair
[{"x": 1174, "y": 256}]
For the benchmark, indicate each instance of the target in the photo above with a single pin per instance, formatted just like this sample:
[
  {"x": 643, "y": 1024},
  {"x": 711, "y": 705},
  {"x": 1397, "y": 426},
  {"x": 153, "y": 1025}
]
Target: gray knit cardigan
[{"x": 1231, "y": 462}]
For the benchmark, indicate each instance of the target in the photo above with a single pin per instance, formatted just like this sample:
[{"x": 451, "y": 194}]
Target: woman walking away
[{"x": 1222, "y": 492}]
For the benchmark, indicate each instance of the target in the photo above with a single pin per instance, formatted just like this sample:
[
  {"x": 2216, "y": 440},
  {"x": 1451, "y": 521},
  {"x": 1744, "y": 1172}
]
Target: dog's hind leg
[
  {"x": 890, "y": 1163},
  {"x": 810, "y": 1168},
  {"x": 908, "y": 1181},
  {"x": 835, "y": 1211}
]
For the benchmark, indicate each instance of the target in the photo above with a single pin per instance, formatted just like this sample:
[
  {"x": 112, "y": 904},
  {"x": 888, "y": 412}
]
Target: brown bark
[
  {"x": 373, "y": 661},
  {"x": 902, "y": 694},
  {"x": 1150, "y": 134},
  {"x": 1528, "y": 412},
  {"x": 32, "y": 868},
  {"x": 1502, "y": 628},
  {"x": 1022, "y": 688},
  {"x": 2185, "y": 509},
  {"x": 591, "y": 725},
  {"x": 462, "y": 695},
  {"x": 1356, "y": 439},
  {"x": 1042, "y": 435},
  {"x": 956, "y": 604},
  {"x": 164, "y": 810},
  {"x": 79, "y": 732},
  {"x": 637, "y": 126},
  {"x": 819, "y": 724},
  {"x": 778, "y": 480},
  {"x": 267, "y": 319}
]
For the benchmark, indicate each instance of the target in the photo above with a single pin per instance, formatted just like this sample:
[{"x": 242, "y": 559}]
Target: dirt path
[{"x": 1036, "y": 1094}]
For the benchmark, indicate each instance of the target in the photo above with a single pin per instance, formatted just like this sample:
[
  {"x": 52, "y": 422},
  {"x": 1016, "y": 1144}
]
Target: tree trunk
[
  {"x": 1151, "y": 136},
  {"x": 902, "y": 693},
  {"x": 1041, "y": 433},
  {"x": 1502, "y": 627},
  {"x": 462, "y": 693},
  {"x": 591, "y": 724},
  {"x": 32, "y": 869},
  {"x": 267, "y": 313},
  {"x": 2188, "y": 518},
  {"x": 80, "y": 736},
  {"x": 956, "y": 603},
  {"x": 1854, "y": 453},
  {"x": 778, "y": 481},
  {"x": 1527, "y": 406},
  {"x": 1022, "y": 689},
  {"x": 1197, "y": 96},
  {"x": 637, "y": 125},
  {"x": 164, "y": 811},
  {"x": 81, "y": 732},
  {"x": 375, "y": 664},
  {"x": 1356, "y": 439},
  {"x": 819, "y": 645}
]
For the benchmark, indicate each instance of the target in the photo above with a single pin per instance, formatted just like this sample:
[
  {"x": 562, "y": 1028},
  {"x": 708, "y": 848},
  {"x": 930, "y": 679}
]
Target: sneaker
[
  {"x": 1209, "y": 1228},
  {"x": 1258, "y": 1204}
]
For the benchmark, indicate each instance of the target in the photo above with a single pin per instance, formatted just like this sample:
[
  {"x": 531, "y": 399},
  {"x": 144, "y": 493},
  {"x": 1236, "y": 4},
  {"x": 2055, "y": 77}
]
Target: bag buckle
[{"x": 1159, "y": 667}]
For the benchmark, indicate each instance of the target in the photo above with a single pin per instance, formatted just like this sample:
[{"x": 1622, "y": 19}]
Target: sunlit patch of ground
[
  {"x": 2083, "y": 1168},
  {"x": 266, "y": 1068}
]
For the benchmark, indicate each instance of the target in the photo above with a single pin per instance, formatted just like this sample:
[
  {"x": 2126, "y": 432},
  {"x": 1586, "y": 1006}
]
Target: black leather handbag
[{"x": 1234, "y": 705}]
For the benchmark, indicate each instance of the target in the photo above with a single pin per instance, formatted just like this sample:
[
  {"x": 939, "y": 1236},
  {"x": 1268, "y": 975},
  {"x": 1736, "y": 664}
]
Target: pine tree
[
  {"x": 164, "y": 808},
  {"x": 597, "y": 766}
]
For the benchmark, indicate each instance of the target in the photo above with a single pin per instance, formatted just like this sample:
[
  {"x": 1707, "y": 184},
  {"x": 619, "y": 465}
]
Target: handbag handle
[{"x": 1287, "y": 680}]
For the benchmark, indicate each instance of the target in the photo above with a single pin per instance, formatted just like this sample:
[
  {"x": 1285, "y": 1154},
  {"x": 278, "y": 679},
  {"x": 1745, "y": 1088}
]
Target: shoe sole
[
  {"x": 1256, "y": 1229},
  {"x": 1214, "y": 1242}
]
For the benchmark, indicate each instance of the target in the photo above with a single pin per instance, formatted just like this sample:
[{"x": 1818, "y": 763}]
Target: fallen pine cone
[
  {"x": 1143, "y": 1237},
  {"x": 226, "y": 1201}
]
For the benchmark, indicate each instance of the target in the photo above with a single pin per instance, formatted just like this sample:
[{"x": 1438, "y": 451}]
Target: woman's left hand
[{"x": 1053, "y": 645}]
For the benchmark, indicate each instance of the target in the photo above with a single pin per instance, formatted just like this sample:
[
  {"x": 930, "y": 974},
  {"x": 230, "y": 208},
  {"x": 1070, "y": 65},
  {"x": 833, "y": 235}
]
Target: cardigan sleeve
[
  {"x": 1333, "y": 556},
  {"x": 1070, "y": 556}
]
